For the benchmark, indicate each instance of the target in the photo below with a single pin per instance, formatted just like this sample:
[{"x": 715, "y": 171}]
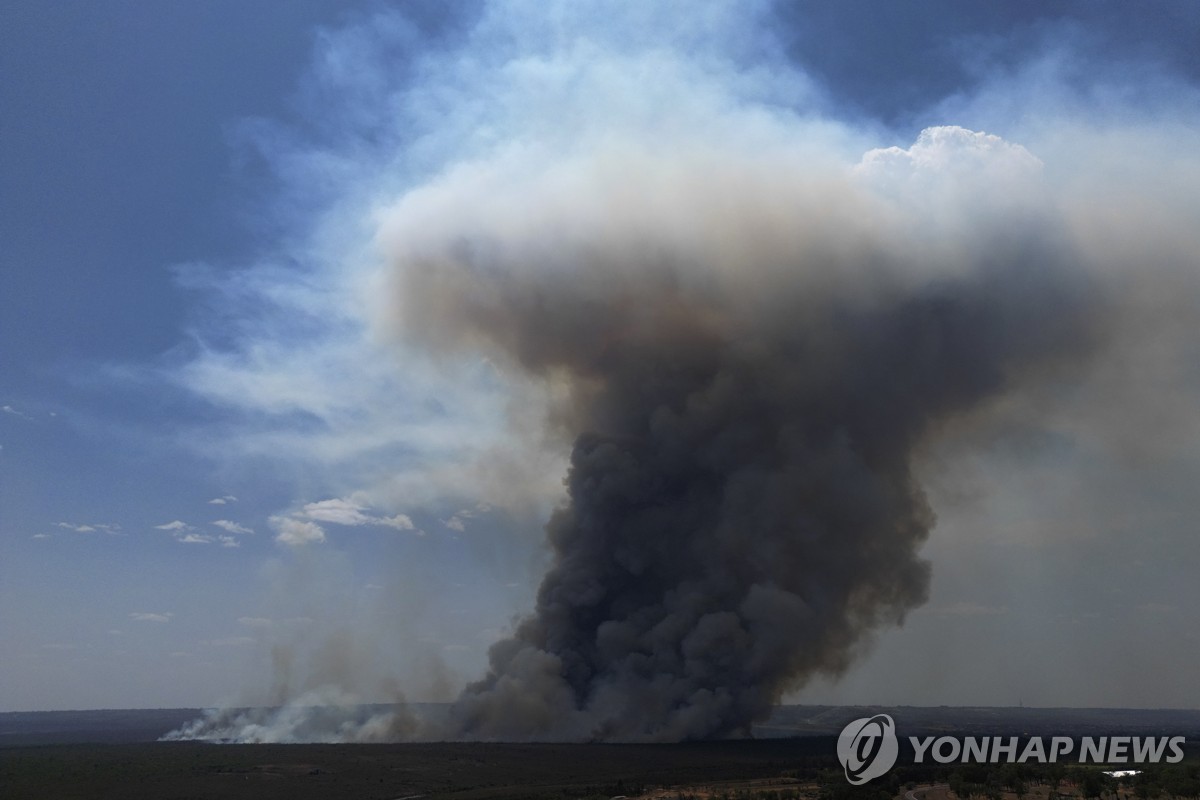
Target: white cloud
[
  {"x": 400, "y": 522},
  {"x": 230, "y": 526},
  {"x": 228, "y": 541},
  {"x": 175, "y": 525},
  {"x": 458, "y": 522},
  {"x": 194, "y": 538},
  {"x": 90, "y": 527},
  {"x": 149, "y": 616},
  {"x": 292, "y": 531},
  {"x": 40, "y": 536},
  {"x": 339, "y": 512},
  {"x": 220, "y": 501},
  {"x": 10, "y": 410},
  {"x": 950, "y": 148},
  {"x": 347, "y": 512}
]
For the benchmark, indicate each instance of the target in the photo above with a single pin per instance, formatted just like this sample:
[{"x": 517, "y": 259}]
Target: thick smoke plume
[
  {"x": 746, "y": 323},
  {"x": 748, "y": 351}
]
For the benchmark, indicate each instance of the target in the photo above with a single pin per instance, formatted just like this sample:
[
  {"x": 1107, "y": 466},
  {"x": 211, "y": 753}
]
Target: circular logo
[{"x": 867, "y": 748}]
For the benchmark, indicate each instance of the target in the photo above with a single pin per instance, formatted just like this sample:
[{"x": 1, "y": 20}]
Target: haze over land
[{"x": 786, "y": 354}]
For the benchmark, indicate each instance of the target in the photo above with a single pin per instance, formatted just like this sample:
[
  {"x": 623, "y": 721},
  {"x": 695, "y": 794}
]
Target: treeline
[
  {"x": 1154, "y": 781},
  {"x": 1168, "y": 780},
  {"x": 993, "y": 781}
]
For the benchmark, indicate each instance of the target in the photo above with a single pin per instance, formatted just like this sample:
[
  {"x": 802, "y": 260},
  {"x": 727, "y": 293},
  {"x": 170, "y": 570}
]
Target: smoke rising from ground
[
  {"x": 749, "y": 351},
  {"x": 745, "y": 321}
]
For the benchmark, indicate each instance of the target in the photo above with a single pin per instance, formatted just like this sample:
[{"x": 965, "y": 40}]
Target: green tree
[
  {"x": 1055, "y": 773},
  {"x": 1091, "y": 783}
]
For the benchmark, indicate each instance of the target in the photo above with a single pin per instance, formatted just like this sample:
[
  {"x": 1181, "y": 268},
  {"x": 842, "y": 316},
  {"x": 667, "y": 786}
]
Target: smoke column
[
  {"x": 749, "y": 351},
  {"x": 745, "y": 322}
]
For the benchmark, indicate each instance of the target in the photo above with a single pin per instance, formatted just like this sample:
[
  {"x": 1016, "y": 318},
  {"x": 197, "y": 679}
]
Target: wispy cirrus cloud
[
  {"x": 189, "y": 534},
  {"x": 221, "y": 501},
  {"x": 90, "y": 527},
  {"x": 229, "y": 526},
  {"x": 152, "y": 616},
  {"x": 7, "y": 409},
  {"x": 347, "y": 512}
]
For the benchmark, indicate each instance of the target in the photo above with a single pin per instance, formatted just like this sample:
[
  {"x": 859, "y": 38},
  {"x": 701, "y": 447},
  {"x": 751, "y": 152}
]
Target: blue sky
[{"x": 212, "y": 446}]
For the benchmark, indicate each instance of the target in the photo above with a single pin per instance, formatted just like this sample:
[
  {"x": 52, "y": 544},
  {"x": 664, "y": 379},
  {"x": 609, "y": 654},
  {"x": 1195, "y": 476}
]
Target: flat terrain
[
  {"x": 127, "y": 726},
  {"x": 113, "y": 754},
  {"x": 193, "y": 770}
]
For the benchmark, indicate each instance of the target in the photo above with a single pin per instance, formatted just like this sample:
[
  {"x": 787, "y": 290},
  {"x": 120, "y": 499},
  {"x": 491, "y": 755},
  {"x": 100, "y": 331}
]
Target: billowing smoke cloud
[
  {"x": 745, "y": 322},
  {"x": 750, "y": 347}
]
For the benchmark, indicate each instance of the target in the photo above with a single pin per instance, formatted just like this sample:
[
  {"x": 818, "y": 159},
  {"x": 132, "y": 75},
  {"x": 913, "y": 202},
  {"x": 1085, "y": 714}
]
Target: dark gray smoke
[
  {"x": 745, "y": 322},
  {"x": 745, "y": 408}
]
